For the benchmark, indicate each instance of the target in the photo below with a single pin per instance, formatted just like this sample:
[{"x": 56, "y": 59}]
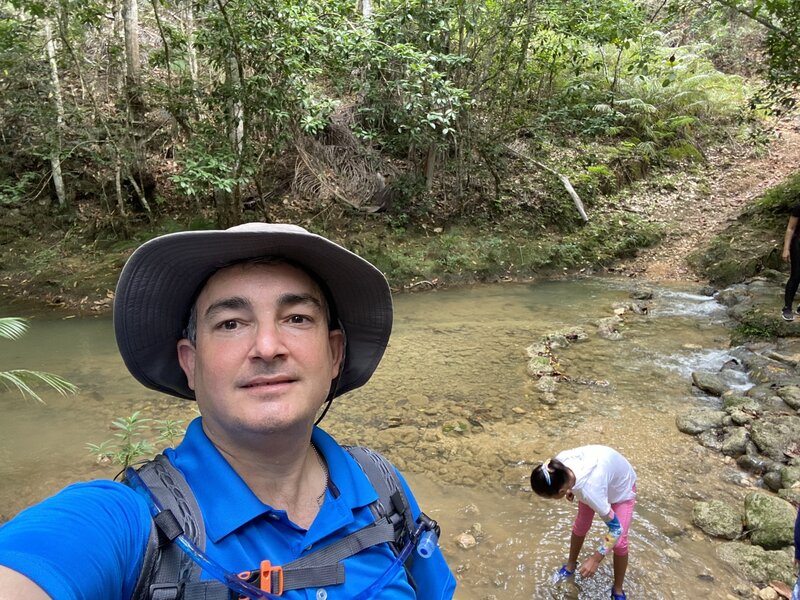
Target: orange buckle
[{"x": 267, "y": 571}]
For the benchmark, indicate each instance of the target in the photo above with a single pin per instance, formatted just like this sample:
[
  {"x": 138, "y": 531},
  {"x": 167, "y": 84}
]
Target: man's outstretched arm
[{"x": 15, "y": 586}]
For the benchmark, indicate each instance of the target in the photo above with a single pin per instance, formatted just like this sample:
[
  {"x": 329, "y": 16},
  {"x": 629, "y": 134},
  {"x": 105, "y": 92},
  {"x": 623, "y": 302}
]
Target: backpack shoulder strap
[
  {"x": 392, "y": 501},
  {"x": 165, "y": 566},
  {"x": 169, "y": 574}
]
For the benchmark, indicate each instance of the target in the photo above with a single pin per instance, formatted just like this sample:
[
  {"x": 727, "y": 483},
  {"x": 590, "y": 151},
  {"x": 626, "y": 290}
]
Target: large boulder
[
  {"x": 710, "y": 383},
  {"x": 790, "y": 395},
  {"x": 735, "y": 442},
  {"x": 717, "y": 519},
  {"x": 770, "y": 520},
  {"x": 753, "y": 463},
  {"x": 756, "y": 564},
  {"x": 731, "y": 401},
  {"x": 774, "y": 434},
  {"x": 698, "y": 420},
  {"x": 789, "y": 494},
  {"x": 790, "y": 477},
  {"x": 766, "y": 370}
]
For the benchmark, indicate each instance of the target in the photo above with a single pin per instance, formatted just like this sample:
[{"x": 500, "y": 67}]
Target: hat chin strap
[{"x": 335, "y": 382}]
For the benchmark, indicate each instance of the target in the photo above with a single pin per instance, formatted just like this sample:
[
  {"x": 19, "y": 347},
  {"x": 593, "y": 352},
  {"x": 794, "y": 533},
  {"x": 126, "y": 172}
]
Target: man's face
[{"x": 264, "y": 358}]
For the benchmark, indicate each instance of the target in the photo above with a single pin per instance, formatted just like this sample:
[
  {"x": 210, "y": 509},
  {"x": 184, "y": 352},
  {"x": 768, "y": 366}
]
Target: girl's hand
[
  {"x": 589, "y": 566},
  {"x": 785, "y": 255}
]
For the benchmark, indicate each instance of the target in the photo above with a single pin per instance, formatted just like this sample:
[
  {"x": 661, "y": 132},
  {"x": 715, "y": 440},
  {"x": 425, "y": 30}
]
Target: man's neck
[{"x": 283, "y": 471}]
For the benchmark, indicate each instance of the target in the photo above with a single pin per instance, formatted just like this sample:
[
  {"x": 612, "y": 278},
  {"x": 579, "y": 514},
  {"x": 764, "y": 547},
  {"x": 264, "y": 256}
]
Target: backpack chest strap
[{"x": 324, "y": 567}]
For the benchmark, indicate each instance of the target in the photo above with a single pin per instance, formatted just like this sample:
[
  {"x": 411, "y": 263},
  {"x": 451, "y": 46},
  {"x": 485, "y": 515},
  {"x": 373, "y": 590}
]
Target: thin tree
[{"x": 58, "y": 102}]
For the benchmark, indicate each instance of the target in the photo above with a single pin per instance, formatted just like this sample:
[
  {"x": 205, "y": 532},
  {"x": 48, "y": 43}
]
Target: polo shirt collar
[{"x": 228, "y": 503}]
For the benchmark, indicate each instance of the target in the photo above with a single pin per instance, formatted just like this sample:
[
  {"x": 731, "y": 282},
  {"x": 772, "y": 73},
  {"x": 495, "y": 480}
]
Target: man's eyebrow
[
  {"x": 290, "y": 299},
  {"x": 233, "y": 303}
]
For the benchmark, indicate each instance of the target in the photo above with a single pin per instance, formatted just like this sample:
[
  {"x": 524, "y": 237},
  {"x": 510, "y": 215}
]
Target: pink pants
[{"x": 624, "y": 512}]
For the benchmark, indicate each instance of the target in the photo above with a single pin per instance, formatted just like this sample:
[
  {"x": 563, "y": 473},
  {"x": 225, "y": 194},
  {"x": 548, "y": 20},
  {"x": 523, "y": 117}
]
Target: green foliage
[
  {"x": 418, "y": 79},
  {"x": 757, "y": 325},
  {"x": 133, "y": 439},
  {"x": 783, "y": 49},
  {"x": 780, "y": 198},
  {"x": 740, "y": 29},
  {"x": 24, "y": 380},
  {"x": 472, "y": 254},
  {"x": 662, "y": 95},
  {"x": 409, "y": 99},
  {"x": 203, "y": 173}
]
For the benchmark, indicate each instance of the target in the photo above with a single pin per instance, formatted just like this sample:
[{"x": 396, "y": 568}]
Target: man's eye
[
  {"x": 229, "y": 325},
  {"x": 299, "y": 319}
]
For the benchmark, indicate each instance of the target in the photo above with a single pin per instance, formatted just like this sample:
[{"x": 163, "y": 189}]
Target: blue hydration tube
[
  {"x": 231, "y": 580},
  {"x": 424, "y": 539}
]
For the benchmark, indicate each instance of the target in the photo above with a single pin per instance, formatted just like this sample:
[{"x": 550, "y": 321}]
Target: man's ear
[
  {"x": 187, "y": 355},
  {"x": 336, "y": 340}
]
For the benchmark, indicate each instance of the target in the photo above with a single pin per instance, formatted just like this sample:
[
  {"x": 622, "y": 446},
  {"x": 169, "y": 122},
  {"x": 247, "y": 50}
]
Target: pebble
[
  {"x": 466, "y": 541},
  {"x": 768, "y": 594}
]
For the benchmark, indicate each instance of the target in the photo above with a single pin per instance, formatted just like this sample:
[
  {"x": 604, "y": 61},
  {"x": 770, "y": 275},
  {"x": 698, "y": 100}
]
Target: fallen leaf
[{"x": 783, "y": 590}]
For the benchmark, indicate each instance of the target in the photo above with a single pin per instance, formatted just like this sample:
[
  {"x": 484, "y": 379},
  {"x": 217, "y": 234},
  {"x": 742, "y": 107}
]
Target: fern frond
[
  {"x": 13, "y": 328},
  {"x": 24, "y": 379}
]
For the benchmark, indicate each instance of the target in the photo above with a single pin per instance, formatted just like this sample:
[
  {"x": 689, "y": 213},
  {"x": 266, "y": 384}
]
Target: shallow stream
[{"x": 453, "y": 406}]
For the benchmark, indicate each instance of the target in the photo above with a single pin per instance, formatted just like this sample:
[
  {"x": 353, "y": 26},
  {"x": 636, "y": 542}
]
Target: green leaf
[{"x": 13, "y": 328}]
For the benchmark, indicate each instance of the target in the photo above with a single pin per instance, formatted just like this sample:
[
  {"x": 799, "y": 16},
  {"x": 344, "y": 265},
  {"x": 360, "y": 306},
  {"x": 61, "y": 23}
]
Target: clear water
[{"x": 460, "y": 354}]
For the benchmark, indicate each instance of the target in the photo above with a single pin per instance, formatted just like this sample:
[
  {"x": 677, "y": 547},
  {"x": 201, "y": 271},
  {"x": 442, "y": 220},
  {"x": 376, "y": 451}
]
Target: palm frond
[
  {"x": 13, "y": 328},
  {"x": 24, "y": 379}
]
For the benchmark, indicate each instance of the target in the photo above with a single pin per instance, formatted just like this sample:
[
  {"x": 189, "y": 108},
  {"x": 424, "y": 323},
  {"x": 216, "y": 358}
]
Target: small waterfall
[
  {"x": 678, "y": 304},
  {"x": 710, "y": 361}
]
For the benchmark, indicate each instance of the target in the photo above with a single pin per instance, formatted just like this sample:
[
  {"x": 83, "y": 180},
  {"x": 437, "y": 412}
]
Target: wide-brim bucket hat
[{"x": 163, "y": 277}]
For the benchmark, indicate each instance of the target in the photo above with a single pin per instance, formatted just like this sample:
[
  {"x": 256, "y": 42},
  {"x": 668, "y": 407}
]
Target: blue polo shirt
[{"x": 88, "y": 540}]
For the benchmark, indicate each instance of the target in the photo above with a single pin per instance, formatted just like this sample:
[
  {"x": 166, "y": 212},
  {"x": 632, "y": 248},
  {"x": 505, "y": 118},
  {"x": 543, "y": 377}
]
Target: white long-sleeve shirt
[{"x": 602, "y": 476}]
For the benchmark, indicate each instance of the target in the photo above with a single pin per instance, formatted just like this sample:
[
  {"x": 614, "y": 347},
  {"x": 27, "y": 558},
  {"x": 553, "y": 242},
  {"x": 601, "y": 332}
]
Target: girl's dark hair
[{"x": 558, "y": 473}]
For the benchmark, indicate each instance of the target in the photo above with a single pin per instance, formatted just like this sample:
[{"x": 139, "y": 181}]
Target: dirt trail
[{"x": 694, "y": 216}]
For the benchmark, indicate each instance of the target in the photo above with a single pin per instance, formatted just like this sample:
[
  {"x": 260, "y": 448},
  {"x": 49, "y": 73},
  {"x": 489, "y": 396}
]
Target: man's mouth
[{"x": 273, "y": 380}]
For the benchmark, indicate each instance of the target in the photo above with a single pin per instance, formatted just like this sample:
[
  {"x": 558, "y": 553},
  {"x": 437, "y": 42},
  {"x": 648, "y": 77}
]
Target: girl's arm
[
  {"x": 787, "y": 238},
  {"x": 589, "y": 567},
  {"x": 614, "y": 533}
]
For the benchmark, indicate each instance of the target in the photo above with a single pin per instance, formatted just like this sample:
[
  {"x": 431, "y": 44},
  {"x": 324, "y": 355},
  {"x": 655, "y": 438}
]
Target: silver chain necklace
[{"x": 324, "y": 468}]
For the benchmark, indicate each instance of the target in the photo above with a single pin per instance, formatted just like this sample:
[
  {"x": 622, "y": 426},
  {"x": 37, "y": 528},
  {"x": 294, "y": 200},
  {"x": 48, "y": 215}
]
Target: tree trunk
[
  {"x": 430, "y": 167},
  {"x": 136, "y": 108},
  {"x": 133, "y": 69},
  {"x": 228, "y": 203},
  {"x": 116, "y": 79},
  {"x": 55, "y": 152},
  {"x": 191, "y": 53},
  {"x": 118, "y": 188},
  {"x": 365, "y": 7}
]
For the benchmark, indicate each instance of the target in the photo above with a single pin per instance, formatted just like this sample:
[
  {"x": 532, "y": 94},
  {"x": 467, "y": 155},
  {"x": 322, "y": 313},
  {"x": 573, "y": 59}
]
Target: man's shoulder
[
  {"x": 88, "y": 536},
  {"x": 95, "y": 505},
  {"x": 106, "y": 492}
]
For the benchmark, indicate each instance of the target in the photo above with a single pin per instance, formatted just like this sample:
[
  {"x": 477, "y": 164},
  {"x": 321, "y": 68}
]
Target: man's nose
[{"x": 268, "y": 343}]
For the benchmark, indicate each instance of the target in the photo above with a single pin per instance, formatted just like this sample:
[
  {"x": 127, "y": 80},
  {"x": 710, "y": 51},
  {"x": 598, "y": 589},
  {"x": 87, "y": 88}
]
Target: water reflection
[{"x": 460, "y": 353}]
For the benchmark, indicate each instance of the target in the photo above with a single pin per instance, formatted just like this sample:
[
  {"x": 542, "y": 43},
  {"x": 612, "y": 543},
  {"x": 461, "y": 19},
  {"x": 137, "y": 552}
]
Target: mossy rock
[
  {"x": 717, "y": 519},
  {"x": 756, "y": 564},
  {"x": 770, "y": 520}
]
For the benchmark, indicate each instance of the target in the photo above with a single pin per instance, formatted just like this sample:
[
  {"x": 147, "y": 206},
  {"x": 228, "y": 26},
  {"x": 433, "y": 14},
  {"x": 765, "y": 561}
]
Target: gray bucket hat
[{"x": 162, "y": 278}]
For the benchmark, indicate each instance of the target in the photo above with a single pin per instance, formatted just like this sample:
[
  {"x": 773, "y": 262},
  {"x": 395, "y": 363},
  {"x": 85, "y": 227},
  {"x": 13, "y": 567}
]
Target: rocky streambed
[
  {"x": 759, "y": 430},
  {"x": 753, "y": 429}
]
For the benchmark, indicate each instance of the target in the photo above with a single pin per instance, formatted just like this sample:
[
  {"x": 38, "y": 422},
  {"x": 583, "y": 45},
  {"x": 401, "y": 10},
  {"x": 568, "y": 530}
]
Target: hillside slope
[{"x": 694, "y": 213}]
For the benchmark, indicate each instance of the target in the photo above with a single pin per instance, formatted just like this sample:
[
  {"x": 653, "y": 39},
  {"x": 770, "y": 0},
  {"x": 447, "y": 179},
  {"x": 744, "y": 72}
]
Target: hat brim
[{"x": 162, "y": 278}]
